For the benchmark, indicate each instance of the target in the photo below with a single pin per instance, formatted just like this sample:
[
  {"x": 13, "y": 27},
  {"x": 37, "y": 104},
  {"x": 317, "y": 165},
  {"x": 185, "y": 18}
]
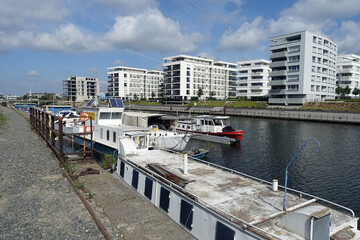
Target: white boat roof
[
  {"x": 213, "y": 117},
  {"x": 251, "y": 200},
  {"x": 142, "y": 114}
]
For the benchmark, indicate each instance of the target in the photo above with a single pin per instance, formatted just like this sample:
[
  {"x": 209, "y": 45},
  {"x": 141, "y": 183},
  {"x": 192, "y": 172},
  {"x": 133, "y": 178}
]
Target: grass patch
[
  {"x": 333, "y": 106},
  {"x": 2, "y": 119},
  {"x": 69, "y": 168},
  {"x": 107, "y": 161},
  {"x": 0, "y": 195},
  {"x": 229, "y": 104},
  {"x": 89, "y": 195},
  {"x": 79, "y": 184},
  {"x": 142, "y": 102}
]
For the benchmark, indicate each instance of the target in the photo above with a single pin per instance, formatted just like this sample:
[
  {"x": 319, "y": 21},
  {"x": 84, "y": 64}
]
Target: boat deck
[{"x": 247, "y": 199}]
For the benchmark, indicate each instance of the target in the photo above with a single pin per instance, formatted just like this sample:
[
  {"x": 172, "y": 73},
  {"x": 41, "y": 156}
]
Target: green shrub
[{"x": 107, "y": 161}]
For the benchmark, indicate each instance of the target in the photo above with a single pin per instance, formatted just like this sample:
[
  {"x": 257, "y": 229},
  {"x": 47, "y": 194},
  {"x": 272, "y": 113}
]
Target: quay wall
[{"x": 319, "y": 116}]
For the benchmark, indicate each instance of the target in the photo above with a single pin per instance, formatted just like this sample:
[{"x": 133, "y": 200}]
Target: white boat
[
  {"x": 210, "y": 125},
  {"x": 109, "y": 122},
  {"x": 213, "y": 202}
]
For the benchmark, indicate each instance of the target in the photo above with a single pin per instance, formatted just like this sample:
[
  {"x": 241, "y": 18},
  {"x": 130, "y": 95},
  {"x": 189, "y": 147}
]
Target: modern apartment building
[
  {"x": 134, "y": 83},
  {"x": 80, "y": 89},
  {"x": 253, "y": 78},
  {"x": 348, "y": 72},
  {"x": 303, "y": 68},
  {"x": 186, "y": 75}
]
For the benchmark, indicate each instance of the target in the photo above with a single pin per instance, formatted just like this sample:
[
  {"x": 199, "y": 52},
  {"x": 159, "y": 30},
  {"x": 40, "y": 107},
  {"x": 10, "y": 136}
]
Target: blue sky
[{"x": 42, "y": 42}]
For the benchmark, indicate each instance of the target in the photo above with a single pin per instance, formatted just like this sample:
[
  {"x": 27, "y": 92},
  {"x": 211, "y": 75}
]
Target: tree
[
  {"x": 212, "y": 94},
  {"x": 340, "y": 91},
  {"x": 347, "y": 90},
  {"x": 356, "y": 91},
  {"x": 200, "y": 92},
  {"x": 152, "y": 94},
  {"x": 135, "y": 96}
]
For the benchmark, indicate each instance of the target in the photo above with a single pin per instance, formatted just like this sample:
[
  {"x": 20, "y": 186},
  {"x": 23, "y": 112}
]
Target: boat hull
[{"x": 237, "y": 135}]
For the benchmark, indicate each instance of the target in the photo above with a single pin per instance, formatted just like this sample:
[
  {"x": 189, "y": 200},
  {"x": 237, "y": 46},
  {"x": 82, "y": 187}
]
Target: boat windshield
[
  {"x": 226, "y": 122},
  {"x": 218, "y": 122}
]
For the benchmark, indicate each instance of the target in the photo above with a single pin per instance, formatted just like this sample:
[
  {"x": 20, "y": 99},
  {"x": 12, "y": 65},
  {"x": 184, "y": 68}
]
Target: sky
[{"x": 43, "y": 42}]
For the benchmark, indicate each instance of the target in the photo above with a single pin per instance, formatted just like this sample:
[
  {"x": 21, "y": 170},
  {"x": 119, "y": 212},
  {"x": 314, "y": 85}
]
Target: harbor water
[{"x": 268, "y": 145}]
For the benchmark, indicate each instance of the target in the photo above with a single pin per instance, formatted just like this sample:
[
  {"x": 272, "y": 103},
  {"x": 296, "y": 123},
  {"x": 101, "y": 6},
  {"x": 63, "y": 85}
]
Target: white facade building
[
  {"x": 303, "y": 68},
  {"x": 348, "y": 68},
  {"x": 253, "y": 78},
  {"x": 185, "y": 75},
  {"x": 80, "y": 89},
  {"x": 131, "y": 83}
]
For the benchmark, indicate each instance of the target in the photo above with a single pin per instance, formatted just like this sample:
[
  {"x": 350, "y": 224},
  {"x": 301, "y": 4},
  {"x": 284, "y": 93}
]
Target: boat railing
[{"x": 244, "y": 225}]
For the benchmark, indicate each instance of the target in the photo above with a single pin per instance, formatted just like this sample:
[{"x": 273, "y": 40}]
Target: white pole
[
  {"x": 275, "y": 185},
  {"x": 185, "y": 164}
]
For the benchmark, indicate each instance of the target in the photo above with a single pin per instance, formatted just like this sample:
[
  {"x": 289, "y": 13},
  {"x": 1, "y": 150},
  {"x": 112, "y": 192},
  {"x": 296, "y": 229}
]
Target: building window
[
  {"x": 107, "y": 135},
  {"x": 294, "y": 68},
  {"x": 294, "y": 49},
  {"x": 114, "y": 137}
]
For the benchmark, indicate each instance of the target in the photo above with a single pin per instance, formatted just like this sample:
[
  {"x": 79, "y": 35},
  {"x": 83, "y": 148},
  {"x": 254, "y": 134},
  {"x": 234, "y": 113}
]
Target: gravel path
[{"x": 36, "y": 201}]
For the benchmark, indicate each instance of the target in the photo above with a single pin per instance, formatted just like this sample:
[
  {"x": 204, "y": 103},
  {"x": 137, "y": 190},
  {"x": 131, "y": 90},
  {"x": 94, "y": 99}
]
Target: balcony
[
  {"x": 277, "y": 82},
  {"x": 277, "y": 91},
  {"x": 278, "y": 54},
  {"x": 277, "y": 73},
  {"x": 277, "y": 64}
]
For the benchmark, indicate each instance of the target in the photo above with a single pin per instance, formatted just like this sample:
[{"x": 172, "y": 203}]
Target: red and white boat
[{"x": 210, "y": 125}]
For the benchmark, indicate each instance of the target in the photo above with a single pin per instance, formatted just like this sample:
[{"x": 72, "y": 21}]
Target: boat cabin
[{"x": 205, "y": 123}]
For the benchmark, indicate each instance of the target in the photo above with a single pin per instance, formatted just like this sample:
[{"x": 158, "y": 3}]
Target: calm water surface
[{"x": 268, "y": 145}]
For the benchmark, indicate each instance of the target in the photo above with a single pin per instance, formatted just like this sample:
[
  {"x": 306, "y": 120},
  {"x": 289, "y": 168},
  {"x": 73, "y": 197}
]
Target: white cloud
[
  {"x": 68, "y": 38},
  {"x": 347, "y": 37},
  {"x": 322, "y": 16},
  {"x": 126, "y": 5},
  {"x": 322, "y": 10},
  {"x": 23, "y": 14},
  {"x": 150, "y": 30},
  {"x": 33, "y": 73},
  {"x": 247, "y": 36}
]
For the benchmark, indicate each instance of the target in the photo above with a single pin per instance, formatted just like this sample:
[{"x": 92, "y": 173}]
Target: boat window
[
  {"x": 164, "y": 199},
  {"x": 108, "y": 135},
  {"x": 148, "y": 188},
  {"x": 122, "y": 168},
  {"x": 114, "y": 137},
  {"x": 188, "y": 127},
  {"x": 183, "y": 126},
  {"x": 140, "y": 142},
  {"x": 202, "y": 122},
  {"x": 116, "y": 115},
  {"x": 223, "y": 232},
  {"x": 226, "y": 122},
  {"x": 101, "y": 133},
  {"x": 217, "y": 122},
  {"x": 105, "y": 115},
  {"x": 135, "y": 179},
  {"x": 186, "y": 214},
  {"x": 207, "y": 122},
  {"x": 178, "y": 125}
]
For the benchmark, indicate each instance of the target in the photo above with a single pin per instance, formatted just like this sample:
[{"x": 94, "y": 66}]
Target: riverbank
[
  {"x": 39, "y": 202},
  {"x": 288, "y": 114},
  {"x": 36, "y": 201}
]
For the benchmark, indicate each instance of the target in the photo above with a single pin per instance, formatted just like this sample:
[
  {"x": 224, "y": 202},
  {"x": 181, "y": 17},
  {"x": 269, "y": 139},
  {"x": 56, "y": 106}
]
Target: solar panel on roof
[
  {"x": 91, "y": 102},
  {"x": 116, "y": 103},
  {"x": 119, "y": 103},
  {"x": 112, "y": 103}
]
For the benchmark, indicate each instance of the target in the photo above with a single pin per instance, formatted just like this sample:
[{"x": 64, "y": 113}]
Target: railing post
[
  {"x": 60, "y": 139},
  {"x": 52, "y": 134}
]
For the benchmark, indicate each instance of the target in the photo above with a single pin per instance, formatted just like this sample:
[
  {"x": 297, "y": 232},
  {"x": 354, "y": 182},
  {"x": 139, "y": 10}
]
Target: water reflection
[{"x": 268, "y": 145}]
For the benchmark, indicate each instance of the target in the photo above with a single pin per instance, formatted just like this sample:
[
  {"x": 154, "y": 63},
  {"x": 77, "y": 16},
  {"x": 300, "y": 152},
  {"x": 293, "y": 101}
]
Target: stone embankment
[
  {"x": 319, "y": 116},
  {"x": 37, "y": 201}
]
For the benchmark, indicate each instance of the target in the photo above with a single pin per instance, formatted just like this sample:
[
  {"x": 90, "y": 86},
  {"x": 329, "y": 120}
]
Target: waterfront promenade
[
  {"x": 318, "y": 116},
  {"x": 37, "y": 202}
]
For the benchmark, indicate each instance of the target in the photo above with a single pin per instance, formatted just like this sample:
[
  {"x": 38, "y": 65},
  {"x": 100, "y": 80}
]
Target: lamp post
[{"x": 286, "y": 171}]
